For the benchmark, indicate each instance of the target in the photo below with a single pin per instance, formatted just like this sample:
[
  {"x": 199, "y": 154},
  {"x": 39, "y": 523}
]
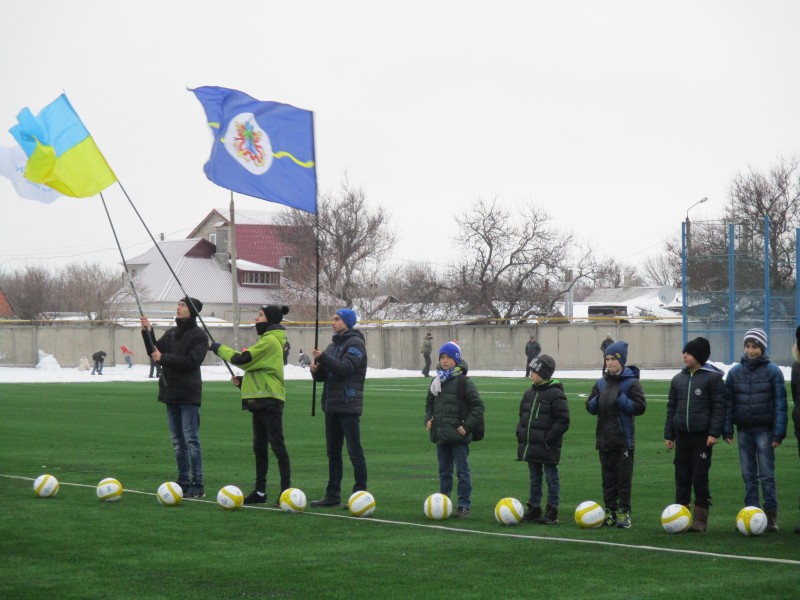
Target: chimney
[
  {"x": 221, "y": 254},
  {"x": 626, "y": 281}
]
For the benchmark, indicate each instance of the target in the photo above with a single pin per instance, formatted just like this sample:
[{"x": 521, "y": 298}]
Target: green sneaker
[
  {"x": 624, "y": 519},
  {"x": 610, "y": 519}
]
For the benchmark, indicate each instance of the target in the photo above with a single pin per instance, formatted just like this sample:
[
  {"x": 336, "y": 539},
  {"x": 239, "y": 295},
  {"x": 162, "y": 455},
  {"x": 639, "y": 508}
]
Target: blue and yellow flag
[
  {"x": 261, "y": 149},
  {"x": 61, "y": 153}
]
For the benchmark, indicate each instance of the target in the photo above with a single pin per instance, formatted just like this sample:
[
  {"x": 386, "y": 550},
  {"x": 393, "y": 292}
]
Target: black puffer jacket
[
  {"x": 697, "y": 403},
  {"x": 343, "y": 368},
  {"x": 447, "y": 412},
  {"x": 543, "y": 421},
  {"x": 795, "y": 385},
  {"x": 183, "y": 349}
]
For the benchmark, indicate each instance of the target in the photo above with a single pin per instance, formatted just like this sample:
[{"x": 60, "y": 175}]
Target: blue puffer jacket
[
  {"x": 343, "y": 368},
  {"x": 756, "y": 398},
  {"x": 616, "y": 400}
]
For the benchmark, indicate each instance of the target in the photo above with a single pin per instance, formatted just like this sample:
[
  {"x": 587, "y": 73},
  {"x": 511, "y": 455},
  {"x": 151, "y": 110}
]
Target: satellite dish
[{"x": 666, "y": 294}]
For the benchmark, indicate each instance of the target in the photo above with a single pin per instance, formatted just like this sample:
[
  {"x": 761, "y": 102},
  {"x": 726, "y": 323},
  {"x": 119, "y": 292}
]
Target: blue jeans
[
  {"x": 184, "y": 429},
  {"x": 448, "y": 455},
  {"x": 757, "y": 459},
  {"x": 553, "y": 483},
  {"x": 338, "y": 429}
]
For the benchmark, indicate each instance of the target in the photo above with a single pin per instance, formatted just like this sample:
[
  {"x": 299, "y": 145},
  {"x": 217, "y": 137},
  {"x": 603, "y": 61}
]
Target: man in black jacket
[
  {"x": 180, "y": 352},
  {"x": 342, "y": 367}
]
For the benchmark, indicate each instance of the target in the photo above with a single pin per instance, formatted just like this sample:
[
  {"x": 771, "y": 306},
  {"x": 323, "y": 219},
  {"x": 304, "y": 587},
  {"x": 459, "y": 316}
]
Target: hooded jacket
[
  {"x": 696, "y": 403},
  {"x": 756, "y": 397},
  {"x": 343, "y": 368},
  {"x": 543, "y": 421},
  {"x": 616, "y": 400},
  {"x": 795, "y": 386},
  {"x": 183, "y": 349},
  {"x": 446, "y": 411},
  {"x": 262, "y": 364}
]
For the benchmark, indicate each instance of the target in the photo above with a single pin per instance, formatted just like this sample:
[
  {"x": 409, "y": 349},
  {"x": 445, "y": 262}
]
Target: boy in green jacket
[{"x": 263, "y": 394}]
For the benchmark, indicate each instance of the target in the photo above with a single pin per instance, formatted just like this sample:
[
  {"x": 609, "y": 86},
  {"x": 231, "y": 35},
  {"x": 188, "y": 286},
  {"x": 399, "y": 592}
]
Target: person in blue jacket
[
  {"x": 757, "y": 406},
  {"x": 616, "y": 398}
]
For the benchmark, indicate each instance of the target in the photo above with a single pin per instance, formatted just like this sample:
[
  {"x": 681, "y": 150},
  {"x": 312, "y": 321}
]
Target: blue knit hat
[
  {"x": 348, "y": 315},
  {"x": 452, "y": 350},
  {"x": 618, "y": 350}
]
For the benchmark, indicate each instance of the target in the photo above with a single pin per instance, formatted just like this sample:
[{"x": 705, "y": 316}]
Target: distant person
[
  {"x": 286, "y": 347},
  {"x": 303, "y": 359},
  {"x": 127, "y": 355},
  {"x": 342, "y": 366},
  {"x": 154, "y": 367},
  {"x": 99, "y": 358},
  {"x": 180, "y": 352},
  {"x": 264, "y": 395},
  {"x": 696, "y": 407},
  {"x": 426, "y": 349},
  {"x": 453, "y": 409},
  {"x": 606, "y": 343},
  {"x": 757, "y": 407},
  {"x": 543, "y": 421},
  {"x": 532, "y": 350},
  {"x": 795, "y": 387},
  {"x": 617, "y": 398}
]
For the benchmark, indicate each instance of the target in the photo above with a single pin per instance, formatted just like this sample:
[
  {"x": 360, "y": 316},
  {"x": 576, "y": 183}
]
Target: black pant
[
  {"x": 268, "y": 432},
  {"x": 341, "y": 428},
  {"x": 155, "y": 367},
  {"x": 427, "y": 368},
  {"x": 617, "y": 471},
  {"x": 692, "y": 463}
]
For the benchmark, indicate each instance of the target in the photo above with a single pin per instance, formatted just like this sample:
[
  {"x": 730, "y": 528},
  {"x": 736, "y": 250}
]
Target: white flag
[{"x": 12, "y": 166}]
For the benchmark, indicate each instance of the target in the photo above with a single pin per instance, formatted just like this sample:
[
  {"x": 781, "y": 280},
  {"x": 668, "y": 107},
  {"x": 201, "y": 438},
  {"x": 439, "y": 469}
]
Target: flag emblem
[{"x": 248, "y": 144}]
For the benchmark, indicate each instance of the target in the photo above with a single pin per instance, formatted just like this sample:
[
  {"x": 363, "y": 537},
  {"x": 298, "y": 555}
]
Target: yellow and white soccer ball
[
  {"x": 361, "y": 504},
  {"x": 169, "y": 494},
  {"x": 230, "y": 497},
  {"x": 676, "y": 518},
  {"x": 751, "y": 520},
  {"x": 437, "y": 507},
  {"x": 293, "y": 500},
  {"x": 509, "y": 511},
  {"x": 589, "y": 515},
  {"x": 109, "y": 490},
  {"x": 45, "y": 486}
]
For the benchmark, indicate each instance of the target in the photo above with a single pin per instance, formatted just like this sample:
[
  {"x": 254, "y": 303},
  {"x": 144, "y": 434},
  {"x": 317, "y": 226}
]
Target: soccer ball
[
  {"x": 361, "y": 504},
  {"x": 293, "y": 500},
  {"x": 751, "y": 520},
  {"x": 508, "y": 511},
  {"x": 589, "y": 515},
  {"x": 45, "y": 486},
  {"x": 169, "y": 494},
  {"x": 676, "y": 518},
  {"x": 109, "y": 490},
  {"x": 230, "y": 497},
  {"x": 437, "y": 507}
]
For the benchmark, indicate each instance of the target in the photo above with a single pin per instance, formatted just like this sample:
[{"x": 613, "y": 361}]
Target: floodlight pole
[{"x": 689, "y": 224}]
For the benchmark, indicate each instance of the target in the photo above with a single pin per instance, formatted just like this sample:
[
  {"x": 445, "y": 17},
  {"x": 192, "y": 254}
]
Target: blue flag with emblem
[{"x": 261, "y": 149}]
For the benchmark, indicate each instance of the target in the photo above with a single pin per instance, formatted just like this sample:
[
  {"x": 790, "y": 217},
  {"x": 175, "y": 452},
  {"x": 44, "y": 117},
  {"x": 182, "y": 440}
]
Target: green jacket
[
  {"x": 446, "y": 412},
  {"x": 263, "y": 367}
]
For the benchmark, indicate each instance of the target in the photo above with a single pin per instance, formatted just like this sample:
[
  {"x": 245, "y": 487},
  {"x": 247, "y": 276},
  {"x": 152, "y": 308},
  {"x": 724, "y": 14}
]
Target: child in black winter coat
[{"x": 543, "y": 420}]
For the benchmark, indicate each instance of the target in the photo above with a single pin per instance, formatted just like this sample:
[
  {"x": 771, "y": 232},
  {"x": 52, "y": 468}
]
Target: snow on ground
[{"x": 49, "y": 371}]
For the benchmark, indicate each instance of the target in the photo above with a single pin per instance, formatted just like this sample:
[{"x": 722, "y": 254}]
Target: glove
[{"x": 214, "y": 347}]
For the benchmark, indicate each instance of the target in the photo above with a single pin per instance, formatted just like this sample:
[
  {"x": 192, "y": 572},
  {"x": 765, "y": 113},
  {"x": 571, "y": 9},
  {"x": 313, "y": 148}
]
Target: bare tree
[
  {"x": 92, "y": 289},
  {"x": 513, "y": 267},
  {"x": 354, "y": 240},
  {"x": 30, "y": 291}
]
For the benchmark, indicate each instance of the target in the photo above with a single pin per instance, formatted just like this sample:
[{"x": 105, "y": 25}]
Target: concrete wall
[{"x": 492, "y": 347}]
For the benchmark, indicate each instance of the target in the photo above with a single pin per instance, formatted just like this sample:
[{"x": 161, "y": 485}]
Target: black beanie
[
  {"x": 275, "y": 314},
  {"x": 192, "y": 303},
  {"x": 700, "y": 348},
  {"x": 544, "y": 366}
]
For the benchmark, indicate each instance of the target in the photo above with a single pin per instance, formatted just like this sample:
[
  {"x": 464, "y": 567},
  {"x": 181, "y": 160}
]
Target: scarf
[{"x": 441, "y": 377}]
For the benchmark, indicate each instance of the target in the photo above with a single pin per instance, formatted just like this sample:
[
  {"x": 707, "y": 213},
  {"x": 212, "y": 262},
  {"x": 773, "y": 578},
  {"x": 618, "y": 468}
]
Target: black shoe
[
  {"x": 533, "y": 514},
  {"x": 326, "y": 502},
  {"x": 462, "y": 512},
  {"x": 185, "y": 485},
  {"x": 195, "y": 491},
  {"x": 255, "y": 497}
]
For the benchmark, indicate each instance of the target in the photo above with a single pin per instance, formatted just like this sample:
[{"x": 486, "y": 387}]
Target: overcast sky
[{"x": 615, "y": 116}]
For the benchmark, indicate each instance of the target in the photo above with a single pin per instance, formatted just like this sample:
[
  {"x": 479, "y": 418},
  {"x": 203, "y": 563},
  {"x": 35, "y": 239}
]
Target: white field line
[{"x": 331, "y": 515}]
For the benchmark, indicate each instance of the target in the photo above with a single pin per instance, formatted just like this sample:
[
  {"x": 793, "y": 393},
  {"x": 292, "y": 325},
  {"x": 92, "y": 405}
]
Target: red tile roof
[{"x": 262, "y": 244}]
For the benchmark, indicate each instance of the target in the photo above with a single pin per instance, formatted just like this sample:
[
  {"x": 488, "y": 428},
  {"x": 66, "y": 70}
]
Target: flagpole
[
  {"x": 316, "y": 318},
  {"x": 171, "y": 270},
  {"x": 234, "y": 276}
]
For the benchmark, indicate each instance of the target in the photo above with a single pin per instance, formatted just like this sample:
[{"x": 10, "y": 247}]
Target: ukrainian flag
[{"x": 61, "y": 153}]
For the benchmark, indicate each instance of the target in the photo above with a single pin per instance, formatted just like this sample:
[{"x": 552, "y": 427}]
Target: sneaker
[
  {"x": 624, "y": 519},
  {"x": 195, "y": 491},
  {"x": 533, "y": 514},
  {"x": 610, "y": 519},
  {"x": 255, "y": 497},
  {"x": 326, "y": 502},
  {"x": 462, "y": 512},
  {"x": 185, "y": 485},
  {"x": 550, "y": 516}
]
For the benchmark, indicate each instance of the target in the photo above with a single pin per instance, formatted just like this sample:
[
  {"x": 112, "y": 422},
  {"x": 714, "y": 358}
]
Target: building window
[
  {"x": 212, "y": 237},
  {"x": 259, "y": 278}
]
